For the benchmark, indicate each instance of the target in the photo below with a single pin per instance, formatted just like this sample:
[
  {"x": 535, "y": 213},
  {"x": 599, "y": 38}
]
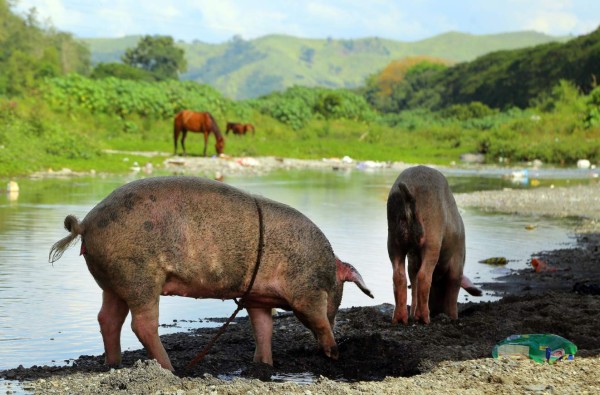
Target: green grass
[
  {"x": 35, "y": 138},
  {"x": 78, "y": 143}
]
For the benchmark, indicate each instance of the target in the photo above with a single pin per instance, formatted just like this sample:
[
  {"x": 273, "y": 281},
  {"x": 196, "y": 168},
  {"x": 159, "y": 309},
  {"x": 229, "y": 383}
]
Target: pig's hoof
[
  {"x": 333, "y": 352},
  {"x": 400, "y": 318},
  {"x": 113, "y": 366},
  {"x": 258, "y": 370},
  {"x": 422, "y": 316}
]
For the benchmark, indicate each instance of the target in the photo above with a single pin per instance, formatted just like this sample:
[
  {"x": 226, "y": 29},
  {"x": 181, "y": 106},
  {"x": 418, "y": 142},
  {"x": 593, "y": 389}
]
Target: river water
[{"x": 48, "y": 312}]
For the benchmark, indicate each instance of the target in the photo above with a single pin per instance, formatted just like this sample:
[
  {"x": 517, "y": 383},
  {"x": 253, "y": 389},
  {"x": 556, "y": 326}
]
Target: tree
[
  {"x": 158, "y": 55},
  {"x": 122, "y": 71},
  {"x": 30, "y": 52},
  {"x": 400, "y": 82}
]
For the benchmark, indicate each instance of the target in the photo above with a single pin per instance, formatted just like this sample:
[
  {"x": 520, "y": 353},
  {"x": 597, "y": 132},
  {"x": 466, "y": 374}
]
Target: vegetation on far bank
[
  {"x": 65, "y": 114},
  {"x": 71, "y": 120}
]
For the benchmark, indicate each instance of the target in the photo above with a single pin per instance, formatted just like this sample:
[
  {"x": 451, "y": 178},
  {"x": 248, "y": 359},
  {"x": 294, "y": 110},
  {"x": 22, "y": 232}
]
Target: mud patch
[{"x": 371, "y": 348}]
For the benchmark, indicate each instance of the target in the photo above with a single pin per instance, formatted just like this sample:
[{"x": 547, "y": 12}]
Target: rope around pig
[{"x": 240, "y": 302}]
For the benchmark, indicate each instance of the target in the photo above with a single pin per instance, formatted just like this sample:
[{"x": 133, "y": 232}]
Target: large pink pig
[
  {"x": 425, "y": 225},
  {"x": 200, "y": 238}
]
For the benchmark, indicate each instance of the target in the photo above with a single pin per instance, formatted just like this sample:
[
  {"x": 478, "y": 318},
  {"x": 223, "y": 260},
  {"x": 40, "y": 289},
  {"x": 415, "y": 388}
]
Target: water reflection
[{"x": 48, "y": 312}]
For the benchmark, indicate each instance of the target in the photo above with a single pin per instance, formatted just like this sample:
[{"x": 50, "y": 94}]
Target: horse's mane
[{"x": 215, "y": 127}]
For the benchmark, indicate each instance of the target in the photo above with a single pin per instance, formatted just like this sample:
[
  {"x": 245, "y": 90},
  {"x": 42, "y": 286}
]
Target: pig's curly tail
[{"x": 71, "y": 225}]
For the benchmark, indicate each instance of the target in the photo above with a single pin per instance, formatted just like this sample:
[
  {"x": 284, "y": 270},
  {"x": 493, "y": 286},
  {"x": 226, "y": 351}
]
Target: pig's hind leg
[
  {"x": 422, "y": 285},
  {"x": 139, "y": 291},
  {"x": 142, "y": 295},
  {"x": 144, "y": 323},
  {"x": 400, "y": 288},
  {"x": 111, "y": 317}
]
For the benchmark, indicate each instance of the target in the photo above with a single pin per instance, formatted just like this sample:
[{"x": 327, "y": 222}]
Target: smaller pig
[
  {"x": 425, "y": 225},
  {"x": 200, "y": 238}
]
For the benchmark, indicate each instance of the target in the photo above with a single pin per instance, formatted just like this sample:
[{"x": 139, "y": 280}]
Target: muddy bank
[
  {"x": 580, "y": 201},
  {"x": 376, "y": 357}
]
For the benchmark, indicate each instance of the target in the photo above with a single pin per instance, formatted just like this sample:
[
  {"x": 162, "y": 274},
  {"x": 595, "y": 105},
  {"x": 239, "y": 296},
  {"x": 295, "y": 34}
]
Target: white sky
[{"x": 217, "y": 21}]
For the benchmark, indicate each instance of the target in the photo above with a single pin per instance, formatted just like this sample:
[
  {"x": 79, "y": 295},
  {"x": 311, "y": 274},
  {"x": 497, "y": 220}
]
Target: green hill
[{"x": 250, "y": 68}]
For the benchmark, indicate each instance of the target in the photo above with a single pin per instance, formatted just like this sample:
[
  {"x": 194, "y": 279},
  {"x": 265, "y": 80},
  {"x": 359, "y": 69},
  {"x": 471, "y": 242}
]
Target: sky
[{"x": 217, "y": 21}]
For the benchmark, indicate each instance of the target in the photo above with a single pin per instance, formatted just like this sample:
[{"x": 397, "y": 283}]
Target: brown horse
[
  {"x": 199, "y": 122},
  {"x": 239, "y": 128}
]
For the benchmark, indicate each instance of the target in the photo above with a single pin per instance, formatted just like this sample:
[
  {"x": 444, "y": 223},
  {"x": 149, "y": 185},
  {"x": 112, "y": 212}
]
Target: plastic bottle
[{"x": 539, "y": 347}]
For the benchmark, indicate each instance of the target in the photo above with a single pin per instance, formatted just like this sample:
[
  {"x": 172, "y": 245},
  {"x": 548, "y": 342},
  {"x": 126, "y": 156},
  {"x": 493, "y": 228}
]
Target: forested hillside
[
  {"x": 251, "y": 68},
  {"x": 540, "y": 102},
  {"x": 28, "y": 52},
  {"x": 501, "y": 79}
]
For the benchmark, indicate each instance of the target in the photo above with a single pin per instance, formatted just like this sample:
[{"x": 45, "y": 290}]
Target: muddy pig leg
[
  {"x": 424, "y": 276},
  {"x": 451, "y": 286},
  {"x": 111, "y": 317},
  {"x": 437, "y": 297},
  {"x": 144, "y": 322},
  {"x": 443, "y": 297},
  {"x": 400, "y": 289},
  {"x": 414, "y": 262},
  {"x": 262, "y": 326},
  {"x": 452, "y": 289},
  {"x": 313, "y": 314}
]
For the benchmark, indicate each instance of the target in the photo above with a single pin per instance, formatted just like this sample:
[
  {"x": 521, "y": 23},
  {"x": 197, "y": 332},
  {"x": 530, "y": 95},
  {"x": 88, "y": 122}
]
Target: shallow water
[{"x": 48, "y": 312}]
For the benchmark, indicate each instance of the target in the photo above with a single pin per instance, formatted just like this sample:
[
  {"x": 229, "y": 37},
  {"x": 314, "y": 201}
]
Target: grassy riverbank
[{"x": 72, "y": 121}]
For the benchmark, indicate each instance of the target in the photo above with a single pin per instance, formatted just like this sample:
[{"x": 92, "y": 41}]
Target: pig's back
[
  {"x": 435, "y": 204},
  {"x": 295, "y": 247},
  {"x": 182, "y": 225},
  {"x": 431, "y": 190}
]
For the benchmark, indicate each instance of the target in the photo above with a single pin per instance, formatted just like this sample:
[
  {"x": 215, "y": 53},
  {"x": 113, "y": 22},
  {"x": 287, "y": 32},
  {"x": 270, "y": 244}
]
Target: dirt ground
[{"x": 376, "y": 357}]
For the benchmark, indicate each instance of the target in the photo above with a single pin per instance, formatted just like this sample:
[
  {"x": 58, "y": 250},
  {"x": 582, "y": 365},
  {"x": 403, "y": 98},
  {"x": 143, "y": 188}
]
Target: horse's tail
[{"x": 74, "y": 227}]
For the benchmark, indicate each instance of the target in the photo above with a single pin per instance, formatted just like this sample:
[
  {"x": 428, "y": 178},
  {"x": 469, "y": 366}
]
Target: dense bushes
[
  {"x": 463, "y": 112},
  {"x": 158, "y": 100},
  {"x": 592, "y": 113},
  {"x": 32, "y": 138},
  {"x": 298, "y": 105}
]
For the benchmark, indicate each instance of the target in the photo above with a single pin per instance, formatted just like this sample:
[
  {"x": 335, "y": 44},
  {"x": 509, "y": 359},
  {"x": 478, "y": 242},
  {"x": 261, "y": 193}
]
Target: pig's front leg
[
  {"x": 400, "y": 290},
  {"x": 312, "y": 312},
  {"x": 262, "y": 325}
]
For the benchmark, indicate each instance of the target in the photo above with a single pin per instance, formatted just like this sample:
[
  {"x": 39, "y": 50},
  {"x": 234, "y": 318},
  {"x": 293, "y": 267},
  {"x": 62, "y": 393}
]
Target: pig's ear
[{"x": 347, "y": 272}]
